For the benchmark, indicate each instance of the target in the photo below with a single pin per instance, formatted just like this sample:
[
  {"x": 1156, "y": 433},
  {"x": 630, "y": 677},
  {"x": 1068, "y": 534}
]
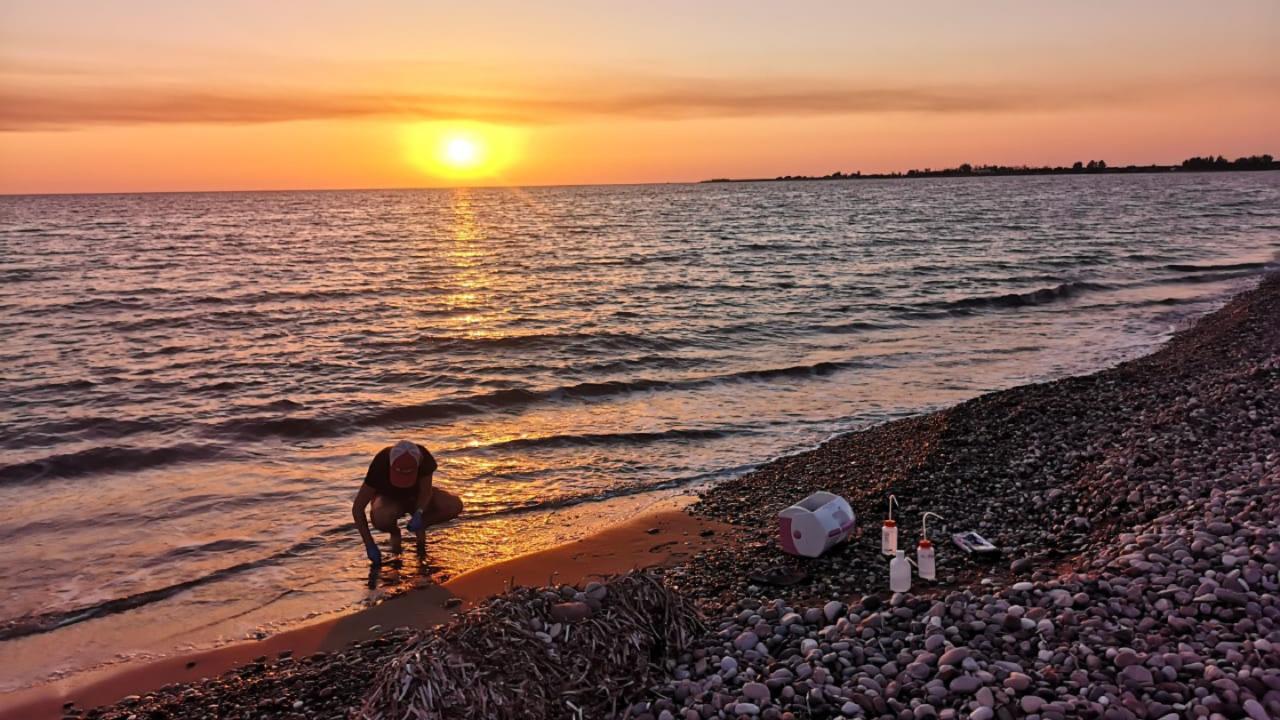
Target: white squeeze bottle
[
  {"x": 900, "y": 572},
  {"x": 924, "y": 560},
  {"x": 889, "y": 532},
  {"x": 924, "y": 550}
]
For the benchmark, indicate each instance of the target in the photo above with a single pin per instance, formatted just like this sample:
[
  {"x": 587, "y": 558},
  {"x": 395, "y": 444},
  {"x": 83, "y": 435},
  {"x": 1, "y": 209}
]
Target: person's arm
[
  {"x": 425, "y": 490},
  {"x": 363, "y": 497}
]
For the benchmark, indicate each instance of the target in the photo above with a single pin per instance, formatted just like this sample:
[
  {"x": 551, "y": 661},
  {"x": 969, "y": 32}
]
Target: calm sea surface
[{"x": 193, "y": 385}]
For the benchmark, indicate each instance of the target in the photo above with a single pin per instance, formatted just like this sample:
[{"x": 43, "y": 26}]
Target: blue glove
[
  {"x": 375, "y": 555},
  {"x": 415, "y": 522}
]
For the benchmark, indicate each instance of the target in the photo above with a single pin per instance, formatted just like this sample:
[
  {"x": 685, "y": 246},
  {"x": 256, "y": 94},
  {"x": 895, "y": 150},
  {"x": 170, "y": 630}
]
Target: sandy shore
[
  {"x": 1136, "y": 512},
  {"x": 662, "y": 539}
]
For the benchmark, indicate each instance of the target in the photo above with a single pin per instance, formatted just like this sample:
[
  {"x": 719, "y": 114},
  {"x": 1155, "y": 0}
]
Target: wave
[
  {"x": 208, "y": 548},
  {"x": 1042, "y": 296},
  {"x": 284, "y": 427},
  {"x": 1207, "y": 277},
  {"x": 284, "y": 296},
  {"x": 597, "y": 439},
  {"x": 45, "y": 622},
  {"x": 91, "y": 305},
  {"x": 849, "y": 328},
  {"x": 559, "y": 503},
  {"x": 102, "y": 460},
  {"x": 84, "y": 428},
  {"x": 531, "y": 341},
  {"x": 503, "y": 400},
  {"x": 1211, "y": 267}
]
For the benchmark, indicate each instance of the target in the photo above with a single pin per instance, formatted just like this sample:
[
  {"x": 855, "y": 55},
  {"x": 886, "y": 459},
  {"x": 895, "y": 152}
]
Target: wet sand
[{"x": 662, "y": 539}]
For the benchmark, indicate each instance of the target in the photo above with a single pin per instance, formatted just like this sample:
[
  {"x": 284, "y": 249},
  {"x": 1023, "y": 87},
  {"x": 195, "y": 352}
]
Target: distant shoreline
[{"x": 1255, "y": 163}]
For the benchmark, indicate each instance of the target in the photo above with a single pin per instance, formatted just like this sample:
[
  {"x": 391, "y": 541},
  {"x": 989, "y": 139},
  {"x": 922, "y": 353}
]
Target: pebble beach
[{"x": 1136, "y": 510}]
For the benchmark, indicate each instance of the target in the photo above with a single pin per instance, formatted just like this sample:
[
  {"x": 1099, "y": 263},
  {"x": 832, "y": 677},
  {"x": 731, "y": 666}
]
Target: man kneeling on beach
[{"x": 398, "y": 483}]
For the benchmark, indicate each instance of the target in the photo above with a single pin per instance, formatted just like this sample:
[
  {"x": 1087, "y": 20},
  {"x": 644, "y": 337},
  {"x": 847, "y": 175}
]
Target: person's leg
[
  {"x": 385, "y": 514},
  {"x": 444, "y": 507}
]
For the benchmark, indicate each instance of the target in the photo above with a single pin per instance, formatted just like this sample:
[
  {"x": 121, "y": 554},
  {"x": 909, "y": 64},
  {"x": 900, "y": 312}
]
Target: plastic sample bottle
[
  {"x": 900, "y": 572},
  {"x": 925, "y": 561},
  {"x": 889, "y": 531},
  {"x": 889, "y": 537}
]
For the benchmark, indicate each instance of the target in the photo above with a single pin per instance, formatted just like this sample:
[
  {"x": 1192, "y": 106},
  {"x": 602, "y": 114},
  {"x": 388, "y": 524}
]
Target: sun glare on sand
[{"x": 461, "y": 151}]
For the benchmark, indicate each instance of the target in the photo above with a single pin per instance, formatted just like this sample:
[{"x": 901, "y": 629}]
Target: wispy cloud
[{"x": 26, "y": 106}]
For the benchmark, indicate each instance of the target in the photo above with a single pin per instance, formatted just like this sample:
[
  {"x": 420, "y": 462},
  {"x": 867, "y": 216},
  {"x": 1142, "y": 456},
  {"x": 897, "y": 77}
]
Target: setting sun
[{"x": 461, "y": 151}]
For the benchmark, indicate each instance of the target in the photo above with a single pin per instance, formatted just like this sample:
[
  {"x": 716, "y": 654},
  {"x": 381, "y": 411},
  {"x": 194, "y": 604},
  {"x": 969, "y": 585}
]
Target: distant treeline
[{"x": 1194, "y": 164}]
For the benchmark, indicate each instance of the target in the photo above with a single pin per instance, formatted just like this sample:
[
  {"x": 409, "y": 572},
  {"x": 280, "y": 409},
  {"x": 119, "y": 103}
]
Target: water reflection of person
[{"x": 399, "y": 483}]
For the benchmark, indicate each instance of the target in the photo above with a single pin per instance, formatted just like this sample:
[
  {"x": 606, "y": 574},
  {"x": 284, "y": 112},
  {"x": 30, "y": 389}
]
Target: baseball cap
[{"x": 405, "y": 457}]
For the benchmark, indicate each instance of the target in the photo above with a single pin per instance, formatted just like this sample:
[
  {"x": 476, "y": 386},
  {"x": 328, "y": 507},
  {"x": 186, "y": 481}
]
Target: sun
[{"x": 462, "y": 150}]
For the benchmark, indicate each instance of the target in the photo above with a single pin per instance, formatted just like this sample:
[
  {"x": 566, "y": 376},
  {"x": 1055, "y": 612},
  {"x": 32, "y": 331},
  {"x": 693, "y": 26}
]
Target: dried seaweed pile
[{"x": 540, "y": 653}]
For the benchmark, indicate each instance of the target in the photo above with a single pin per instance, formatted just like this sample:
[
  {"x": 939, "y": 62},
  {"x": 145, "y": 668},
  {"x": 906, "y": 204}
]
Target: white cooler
[{"x": 814, "y": 524}]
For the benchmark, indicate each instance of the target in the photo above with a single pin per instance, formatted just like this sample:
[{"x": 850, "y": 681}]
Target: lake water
[{"x": 193, "y": 384}]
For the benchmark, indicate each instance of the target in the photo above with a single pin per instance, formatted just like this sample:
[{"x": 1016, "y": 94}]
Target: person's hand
[
  {"x": 375, "y": 555},
  {"x": 415, "y": 522}
]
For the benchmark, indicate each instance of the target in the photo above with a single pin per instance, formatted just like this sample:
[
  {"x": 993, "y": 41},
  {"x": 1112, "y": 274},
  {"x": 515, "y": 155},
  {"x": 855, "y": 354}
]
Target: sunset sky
[{"x": 133, "y": 95}]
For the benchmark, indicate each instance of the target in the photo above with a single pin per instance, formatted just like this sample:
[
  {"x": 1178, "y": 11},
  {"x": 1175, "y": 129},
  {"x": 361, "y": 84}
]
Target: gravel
[{"x": 1147, "y": 639}]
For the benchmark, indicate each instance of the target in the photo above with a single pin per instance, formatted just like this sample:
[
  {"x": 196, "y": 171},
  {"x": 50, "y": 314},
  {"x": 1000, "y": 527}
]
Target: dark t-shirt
[{"x": 379, "y": 476}]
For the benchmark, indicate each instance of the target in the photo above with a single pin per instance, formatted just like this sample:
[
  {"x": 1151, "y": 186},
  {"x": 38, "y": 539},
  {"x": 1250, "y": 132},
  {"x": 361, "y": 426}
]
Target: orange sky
[{"x": 134, "y": 96}]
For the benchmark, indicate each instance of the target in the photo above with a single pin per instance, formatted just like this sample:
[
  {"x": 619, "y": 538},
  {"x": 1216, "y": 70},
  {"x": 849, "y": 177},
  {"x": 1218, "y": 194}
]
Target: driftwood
[{"x": 517, "y": 657}]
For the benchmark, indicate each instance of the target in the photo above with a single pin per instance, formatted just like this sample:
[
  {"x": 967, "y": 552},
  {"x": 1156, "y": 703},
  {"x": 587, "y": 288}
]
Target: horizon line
[{"x": 892, "y": 175}]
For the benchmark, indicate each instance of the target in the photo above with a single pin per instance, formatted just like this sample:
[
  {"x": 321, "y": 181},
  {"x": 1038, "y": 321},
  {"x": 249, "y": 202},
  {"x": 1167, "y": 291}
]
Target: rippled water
[{"x": 194, "y": 384}]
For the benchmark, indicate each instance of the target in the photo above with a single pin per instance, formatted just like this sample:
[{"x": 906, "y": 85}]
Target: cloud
[{"x": 45, "y": 106}]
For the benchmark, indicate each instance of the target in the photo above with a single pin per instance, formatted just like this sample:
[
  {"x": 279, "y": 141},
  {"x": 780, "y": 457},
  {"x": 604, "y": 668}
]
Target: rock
[
  {"x": 746, "y": 640},
  {"x": 596, "y": 591},
  {"x": 757, "y": 692},
  {"x": 954, "y": 656},
  {"x": 1017, "y": 682},
  {"x": 1254, "y": 710},
  {"x": 1230, "y": 597},
  {"x": 985, "y": 697},
  {"x": 1136, "y": 677},
  {"x": 570, "y": 611},
  {"x": 832, "y": 610},
  {"x": 1125, "y": 658}
]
